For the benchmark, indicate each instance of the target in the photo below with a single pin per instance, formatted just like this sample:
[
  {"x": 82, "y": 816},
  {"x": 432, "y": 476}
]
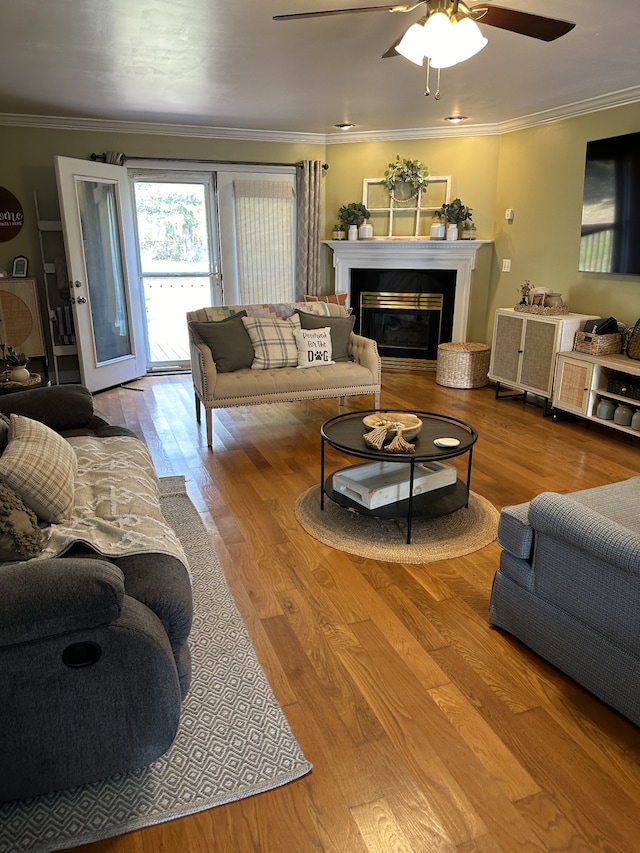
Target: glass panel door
[
  {"x": 97, "y": 222},
  {"x": 105, "y": 278}
]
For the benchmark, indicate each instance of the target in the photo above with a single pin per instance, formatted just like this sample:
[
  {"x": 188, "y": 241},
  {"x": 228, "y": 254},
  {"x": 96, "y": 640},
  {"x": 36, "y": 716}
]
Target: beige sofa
[{"x": 217, "y": 388}]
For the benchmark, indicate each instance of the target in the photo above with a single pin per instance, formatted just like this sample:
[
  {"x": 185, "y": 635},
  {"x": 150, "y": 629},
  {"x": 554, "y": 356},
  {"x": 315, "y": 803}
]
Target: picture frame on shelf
[
  {"x": 537, "y": 298},
  {"x": 20, "y": 267}
]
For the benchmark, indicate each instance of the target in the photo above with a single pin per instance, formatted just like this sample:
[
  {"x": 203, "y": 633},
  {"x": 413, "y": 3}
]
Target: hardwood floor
[{"x": 428, "y": 730}]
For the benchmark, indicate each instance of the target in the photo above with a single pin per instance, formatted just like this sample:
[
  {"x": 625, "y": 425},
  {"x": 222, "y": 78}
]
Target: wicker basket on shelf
[{"x": 594, "y": 344}]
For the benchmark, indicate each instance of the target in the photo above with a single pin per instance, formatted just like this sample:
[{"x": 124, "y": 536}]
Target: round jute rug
[{"x": 443, "y": 538}]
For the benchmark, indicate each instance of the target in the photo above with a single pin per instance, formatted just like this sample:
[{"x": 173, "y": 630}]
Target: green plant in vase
[
  {"x": 455, "y": 214},
  {"x": 354, "y": 213},
  {"x": 15, "y": 364}
]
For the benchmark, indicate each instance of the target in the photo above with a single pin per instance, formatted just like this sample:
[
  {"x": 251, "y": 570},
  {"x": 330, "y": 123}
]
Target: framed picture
[
  {"x": 538, "y": 297},
  {"x": 20, "y": 267}
]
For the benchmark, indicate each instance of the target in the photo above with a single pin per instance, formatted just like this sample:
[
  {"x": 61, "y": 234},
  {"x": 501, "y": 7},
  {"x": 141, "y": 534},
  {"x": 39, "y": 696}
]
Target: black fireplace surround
[{"x": 407, "y": 312}]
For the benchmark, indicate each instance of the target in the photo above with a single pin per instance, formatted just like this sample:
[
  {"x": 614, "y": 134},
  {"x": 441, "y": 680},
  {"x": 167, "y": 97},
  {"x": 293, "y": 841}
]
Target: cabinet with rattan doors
[
  {"x": 583, "y": 381},
  {"x": 524, "y": 348}
]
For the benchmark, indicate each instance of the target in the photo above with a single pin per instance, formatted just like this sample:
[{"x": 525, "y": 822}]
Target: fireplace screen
[{"x": 405, "y": 325}]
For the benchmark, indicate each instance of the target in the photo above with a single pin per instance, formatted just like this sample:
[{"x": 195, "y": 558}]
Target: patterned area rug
[
  {"x": 233, "y": 740},
  {"x": 443, "y": 538}
]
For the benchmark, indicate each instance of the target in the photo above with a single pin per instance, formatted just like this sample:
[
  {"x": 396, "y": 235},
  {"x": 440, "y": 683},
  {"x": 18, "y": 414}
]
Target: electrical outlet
[
  {"x": 508, "y": 214},
  {"x": 506, "y": 265}
]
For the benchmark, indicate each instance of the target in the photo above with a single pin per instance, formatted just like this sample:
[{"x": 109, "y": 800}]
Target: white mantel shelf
[{"x": 417, "y": 253}]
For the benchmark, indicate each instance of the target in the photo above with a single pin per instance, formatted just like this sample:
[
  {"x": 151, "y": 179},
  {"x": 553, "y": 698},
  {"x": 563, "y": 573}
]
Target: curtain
[
  {"x": 264, "y": 244},
  {"x": 309, "y": 183}
]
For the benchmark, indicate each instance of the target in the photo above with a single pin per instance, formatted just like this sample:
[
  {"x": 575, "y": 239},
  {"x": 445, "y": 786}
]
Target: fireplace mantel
[{"x": 422, "y": 254}]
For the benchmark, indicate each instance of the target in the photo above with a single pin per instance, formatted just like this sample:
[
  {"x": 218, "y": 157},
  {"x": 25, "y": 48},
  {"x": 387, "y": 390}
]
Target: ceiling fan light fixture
[
  {"x": 467, "y": 39},
  {"x": 436, "y": 34},
  {"x": 411, "y": 44}
]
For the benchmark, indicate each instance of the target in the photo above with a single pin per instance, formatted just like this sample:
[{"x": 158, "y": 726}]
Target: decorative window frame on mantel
[{"x": 395, "y": 218}]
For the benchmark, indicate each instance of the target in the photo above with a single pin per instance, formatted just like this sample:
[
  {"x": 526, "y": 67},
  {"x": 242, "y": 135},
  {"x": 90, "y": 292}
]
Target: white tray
[{"x": 380, "y": 483}]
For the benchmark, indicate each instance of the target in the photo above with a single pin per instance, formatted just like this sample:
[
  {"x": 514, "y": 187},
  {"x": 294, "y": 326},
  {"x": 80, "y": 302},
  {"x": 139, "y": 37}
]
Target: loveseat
[
  {"x": 568, "y": 586},
  {"x": 95, "y": 598},
  {"x": 249, "y": 354}
]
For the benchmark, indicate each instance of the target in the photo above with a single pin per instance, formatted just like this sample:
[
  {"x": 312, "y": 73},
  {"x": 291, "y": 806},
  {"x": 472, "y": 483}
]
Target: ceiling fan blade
[
  {"x": 391, "y": 50},
  {"x": 396, "y": 7},
  {"x": 535, "y": 26}
]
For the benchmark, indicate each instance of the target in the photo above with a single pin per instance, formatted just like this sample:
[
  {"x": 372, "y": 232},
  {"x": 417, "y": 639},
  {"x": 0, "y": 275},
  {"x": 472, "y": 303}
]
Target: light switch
[
  {"x": 506, "y": 265},
  {"x": 508, "y": 214}
]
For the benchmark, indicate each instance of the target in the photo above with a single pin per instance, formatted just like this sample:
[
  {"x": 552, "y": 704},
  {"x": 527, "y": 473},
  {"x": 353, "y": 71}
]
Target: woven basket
[
  {"x": 462, "y": 365},
  {"x": 597, "y": 344}
]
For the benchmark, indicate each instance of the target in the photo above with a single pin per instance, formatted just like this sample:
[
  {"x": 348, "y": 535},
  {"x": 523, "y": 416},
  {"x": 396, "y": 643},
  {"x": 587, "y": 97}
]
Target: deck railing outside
[{"x": 167, "y": 301}]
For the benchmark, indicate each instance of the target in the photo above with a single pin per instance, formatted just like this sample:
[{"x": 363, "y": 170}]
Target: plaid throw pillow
[
  {"x": 41, "y": 467},
  {"x": 274, "y": 342}
]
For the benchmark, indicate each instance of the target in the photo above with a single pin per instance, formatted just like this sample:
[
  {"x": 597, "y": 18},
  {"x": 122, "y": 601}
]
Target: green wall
[
  {"x": 538, "y": 172},
  {"x": 541, "y": 176},
  {"x": 472, "y": 163}
]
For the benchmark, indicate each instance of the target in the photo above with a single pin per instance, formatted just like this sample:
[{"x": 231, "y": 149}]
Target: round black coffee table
[{"x": 345, "y": 434}]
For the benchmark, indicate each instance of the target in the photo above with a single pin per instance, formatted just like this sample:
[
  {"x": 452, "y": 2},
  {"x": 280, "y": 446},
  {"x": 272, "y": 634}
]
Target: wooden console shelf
[{"x": 581, "y": 382}]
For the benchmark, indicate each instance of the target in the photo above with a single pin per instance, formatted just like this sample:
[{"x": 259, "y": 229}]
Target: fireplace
[
  {"x": 425, "y": 289},
  {"x": 407, "y": 312}
]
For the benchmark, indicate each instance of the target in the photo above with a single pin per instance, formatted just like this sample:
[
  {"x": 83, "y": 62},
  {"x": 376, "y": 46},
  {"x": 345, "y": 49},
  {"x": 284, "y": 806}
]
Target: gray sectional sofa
[
  {"x": 94, "y": 655},
  {"x": 568, "y": 586},
  {"x": 227, "y": 372}
]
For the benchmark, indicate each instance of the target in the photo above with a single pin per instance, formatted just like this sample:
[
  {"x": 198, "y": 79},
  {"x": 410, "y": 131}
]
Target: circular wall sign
[{"x": 11, "y": 216}]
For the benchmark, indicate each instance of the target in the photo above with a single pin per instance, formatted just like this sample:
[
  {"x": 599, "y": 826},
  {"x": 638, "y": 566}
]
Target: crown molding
[
  {"x": 579, "y": 108},
  {"x": 158, "y": 129}
]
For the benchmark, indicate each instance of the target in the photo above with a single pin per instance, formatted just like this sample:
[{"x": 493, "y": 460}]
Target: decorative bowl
[{"x": 411, "y": 424}]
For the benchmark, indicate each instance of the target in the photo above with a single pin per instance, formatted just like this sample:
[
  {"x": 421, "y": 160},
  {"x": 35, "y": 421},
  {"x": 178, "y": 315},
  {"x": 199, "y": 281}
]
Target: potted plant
[
  {"x": 405, "y": 178},
  {"x": 352, "y": 216},
  {"x": 454, "y": 213},
  {"x": 16, "y": 365},
  {"x": 338, "y": 232}
]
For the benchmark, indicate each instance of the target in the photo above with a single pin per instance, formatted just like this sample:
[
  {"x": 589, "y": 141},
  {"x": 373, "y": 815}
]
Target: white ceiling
[{"x": 215, "y": 63}]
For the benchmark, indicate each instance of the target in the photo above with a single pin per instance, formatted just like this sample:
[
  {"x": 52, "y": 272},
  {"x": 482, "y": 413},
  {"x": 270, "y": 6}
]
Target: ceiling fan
[
  {"x": 448, "y": 33},
  {"x": 524, "y": 23}
]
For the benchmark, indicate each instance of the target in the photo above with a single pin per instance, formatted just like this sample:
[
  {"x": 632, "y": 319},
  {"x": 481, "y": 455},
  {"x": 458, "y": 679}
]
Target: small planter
[{"x": 19, "y": 374}]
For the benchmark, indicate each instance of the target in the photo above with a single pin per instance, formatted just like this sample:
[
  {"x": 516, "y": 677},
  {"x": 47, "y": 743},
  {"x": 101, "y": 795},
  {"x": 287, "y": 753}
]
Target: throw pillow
[
  {"x": 314, "y": 347},
  {"x": 41, "y": 467},
  {"x": 20, "y": 536},
  {"x": 341, "y": 328},
  {"x": 228, "y": 341},
  {"x": 336, "y": 298},
  {"x": 274, "y": 343}
]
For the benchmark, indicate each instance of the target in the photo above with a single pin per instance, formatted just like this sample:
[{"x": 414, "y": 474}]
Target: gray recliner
[
  {"x": 568, "y": 586},
  {"x": 94, "y": 655}
]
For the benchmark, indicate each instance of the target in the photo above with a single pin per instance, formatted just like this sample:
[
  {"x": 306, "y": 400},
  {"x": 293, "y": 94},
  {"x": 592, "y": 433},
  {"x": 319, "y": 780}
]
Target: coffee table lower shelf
[{"x": 427, "y": 505}]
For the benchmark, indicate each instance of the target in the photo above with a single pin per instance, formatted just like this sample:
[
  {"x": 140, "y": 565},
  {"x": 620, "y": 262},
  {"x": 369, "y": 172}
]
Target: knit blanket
[{"x": 117, "y": 503}]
